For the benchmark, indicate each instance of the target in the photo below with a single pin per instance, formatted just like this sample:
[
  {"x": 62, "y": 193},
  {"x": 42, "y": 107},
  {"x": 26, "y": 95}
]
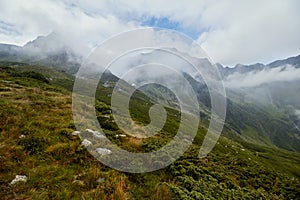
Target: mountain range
[
  {"x": 256, "y": 157},
  {"x": 262, "y": 100}
]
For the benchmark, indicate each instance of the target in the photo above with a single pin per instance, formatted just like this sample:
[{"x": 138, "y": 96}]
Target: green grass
[{"x": 58, "y": 167}]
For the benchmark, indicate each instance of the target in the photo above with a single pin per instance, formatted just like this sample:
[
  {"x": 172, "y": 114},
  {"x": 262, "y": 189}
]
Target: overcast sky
[{"x": 230, "y": 31}]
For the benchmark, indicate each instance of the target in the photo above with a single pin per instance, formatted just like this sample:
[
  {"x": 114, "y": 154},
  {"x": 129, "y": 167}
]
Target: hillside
[
  {"x": 259, "y": 110},
  {"x": 36, "y": 140}
]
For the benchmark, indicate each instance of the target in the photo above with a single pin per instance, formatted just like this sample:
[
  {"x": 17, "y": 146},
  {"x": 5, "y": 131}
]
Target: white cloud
[
  {"x": 251, "y": 31},
  {"x": 78, "y": 28},
  {"x": 252, "y": 79},
  {"x": 235, "y": 31}
]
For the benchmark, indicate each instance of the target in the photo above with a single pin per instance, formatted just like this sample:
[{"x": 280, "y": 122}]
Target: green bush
[
  {"x": 33, "y": 145},
  {"x": 31, "y": 74},
  {"x": 102, "y": 107}
]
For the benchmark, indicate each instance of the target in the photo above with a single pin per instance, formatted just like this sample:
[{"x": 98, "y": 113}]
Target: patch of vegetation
[{"x": 36, "y": 140}]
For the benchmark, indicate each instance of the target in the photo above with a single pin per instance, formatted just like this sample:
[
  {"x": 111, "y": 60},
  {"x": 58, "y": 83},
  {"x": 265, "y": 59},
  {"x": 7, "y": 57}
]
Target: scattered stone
[
  {"x": 103, "y": 151},
  {"x": 19, "y": 178},
  {"x": 120, "y": 135},
  {"x": 100, "y": 180},
  {"x": 5, "y": 81},
  {"x": 22, "y": 136},
  {"x": 186, "y": 140},
  {"x": 89, "y": 130},
  {"x": 86, "y": 143},
  {"x": 106, "y": 84},
  {"x": 99, "y": 135},
  {"x": 96, "y": 134},
  {"x": 79, "y": 182},
  {"x": 243, "y": 149},
  {"x": 76, "y": 133}
]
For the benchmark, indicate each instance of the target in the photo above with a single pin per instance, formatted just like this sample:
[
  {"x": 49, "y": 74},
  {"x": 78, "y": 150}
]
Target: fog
[
  {"x": 297, "y": 112},
  {"x": 284, "y": 73}
]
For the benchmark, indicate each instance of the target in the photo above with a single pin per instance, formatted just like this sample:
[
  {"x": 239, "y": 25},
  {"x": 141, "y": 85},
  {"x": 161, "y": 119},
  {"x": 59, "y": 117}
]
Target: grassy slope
[
  {"x": 263, "y": 124},
  {"x": 58, "y": 167}
]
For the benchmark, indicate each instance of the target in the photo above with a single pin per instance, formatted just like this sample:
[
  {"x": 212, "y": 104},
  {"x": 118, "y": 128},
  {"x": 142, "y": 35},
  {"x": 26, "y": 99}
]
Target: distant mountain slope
[
  {"x": 9, "y": 51},
  {"x": 253, "y": 121},
  {"x": 262, "y": 113},
  {"x": 264, "y": 109},
  {"x": 295, "y": 61},
  {"x": 48, "y": 50},
  {"x": 240, "y": 68}
]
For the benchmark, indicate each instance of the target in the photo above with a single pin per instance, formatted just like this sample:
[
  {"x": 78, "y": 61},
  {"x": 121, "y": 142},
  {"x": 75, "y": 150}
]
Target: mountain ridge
[
  {"x": 60, "y": 57},
  {"x": 53, "y": 43}
]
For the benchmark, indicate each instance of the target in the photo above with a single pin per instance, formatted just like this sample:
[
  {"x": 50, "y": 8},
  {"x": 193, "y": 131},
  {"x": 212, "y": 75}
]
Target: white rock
[
  {"x": 186, "y": 140},
  {"x": 22, "y": 136},
  {"x": 103, "y": 151},
  {"x": 76, "y": 133},
  {"x": 86, "y": 143},
  {"x": 105, "y": 84},
  {"x": 19, "y": 178},
  {"x": 100, "y": 180},
  {"x": 89, "y": 130},
  {"x": 243, "y": 149},
  {"x": 120, "y": 135},
  {"x": 96, "y": 134}
]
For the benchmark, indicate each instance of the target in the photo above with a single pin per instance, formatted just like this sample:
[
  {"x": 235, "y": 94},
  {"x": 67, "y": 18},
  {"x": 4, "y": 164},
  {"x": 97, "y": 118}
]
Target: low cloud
[
  {"x": 253, "y": 79},
  {"x": 297, "y": 112}
]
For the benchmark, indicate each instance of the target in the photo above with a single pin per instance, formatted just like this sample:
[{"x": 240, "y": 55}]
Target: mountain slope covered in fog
[
  {"x": 262, "y": 100},
  {"x": 50, "y": 50}
]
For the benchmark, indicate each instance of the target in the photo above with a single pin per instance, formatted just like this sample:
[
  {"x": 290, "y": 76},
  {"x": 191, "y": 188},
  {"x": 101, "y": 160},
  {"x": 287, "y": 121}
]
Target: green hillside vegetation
[
  {"x": 263, "y": 124},
  {"x": 36, "y": 140},
  {"x": 257, "y": 123}
]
